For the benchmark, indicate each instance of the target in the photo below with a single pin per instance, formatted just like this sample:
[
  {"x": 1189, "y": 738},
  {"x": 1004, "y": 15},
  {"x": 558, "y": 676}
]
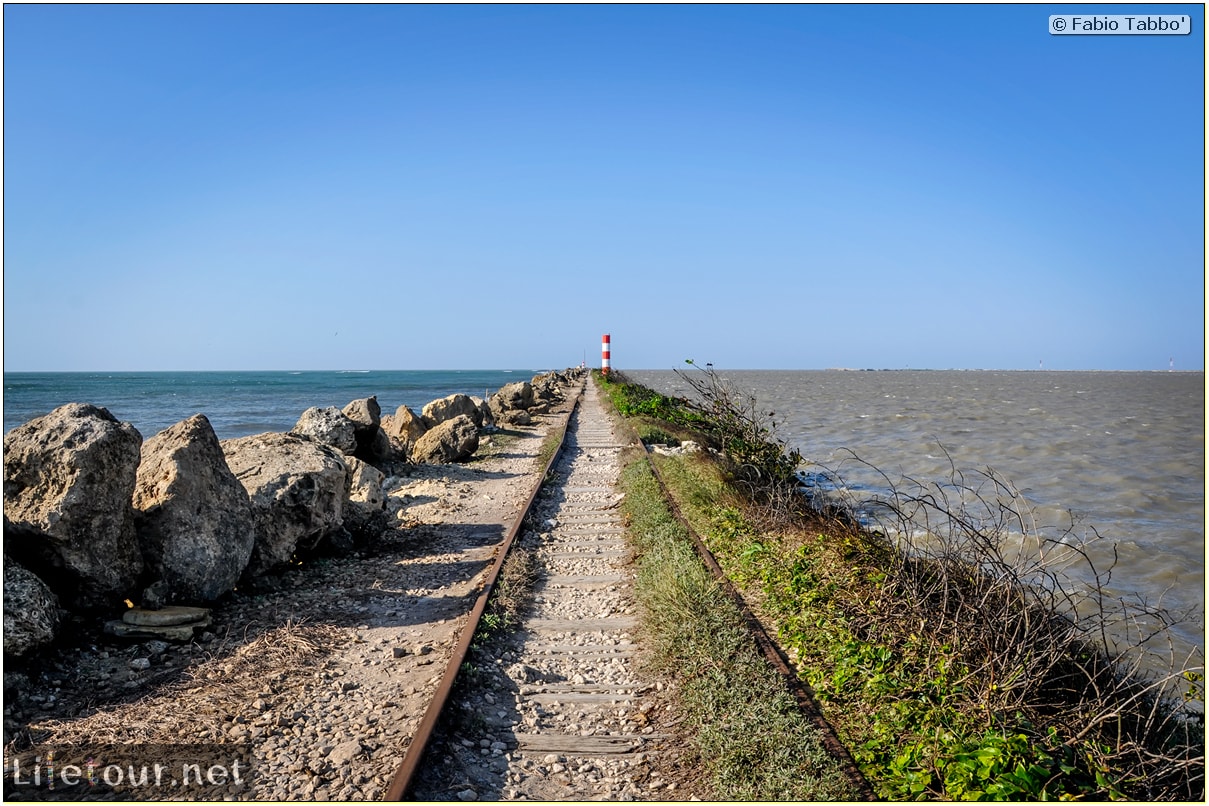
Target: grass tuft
[{"x": 747, "y": 730}]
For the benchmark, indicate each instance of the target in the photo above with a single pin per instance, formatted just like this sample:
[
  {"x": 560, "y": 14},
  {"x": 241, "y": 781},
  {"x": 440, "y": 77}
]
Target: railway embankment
[
  {"x": 589, "y": 683},
  {"x": 325, "y": 684}
]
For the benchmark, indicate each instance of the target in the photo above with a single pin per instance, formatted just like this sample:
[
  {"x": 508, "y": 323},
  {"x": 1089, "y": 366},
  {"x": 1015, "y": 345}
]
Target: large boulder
[
  {"x": 485, "y": 419},
  {"x": 380, "y": 449},
  {"x": 31, "y": 611},
  {"x": 194, "y": 518},
  {"x": 329, "y": 426},
  {"x": 372, "y": 445},
  {"x": 365, "y": 413},
  {"x": 454, "y": 440},
  {"x": 438, "y": 411},
  {"x": 365, "y": 510},
  {"x": 511, "y": 397},
  {"x": 297, "y": 488},
  {"x": 365, "y": 484},
  {"x": 515, "y": 417},
  {"x": 68, "y": 480},
  {"x": 403, "y": 428}
]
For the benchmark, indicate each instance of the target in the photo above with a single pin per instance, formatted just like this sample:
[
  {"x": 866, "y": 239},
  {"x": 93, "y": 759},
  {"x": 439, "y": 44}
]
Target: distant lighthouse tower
[{"x": 1171, "y": 364}]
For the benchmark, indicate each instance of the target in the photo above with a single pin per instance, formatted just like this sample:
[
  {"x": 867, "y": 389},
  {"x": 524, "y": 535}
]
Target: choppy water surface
[
  {"x": 1123, "y": 451},
  {"x": 236, "y": 403}
]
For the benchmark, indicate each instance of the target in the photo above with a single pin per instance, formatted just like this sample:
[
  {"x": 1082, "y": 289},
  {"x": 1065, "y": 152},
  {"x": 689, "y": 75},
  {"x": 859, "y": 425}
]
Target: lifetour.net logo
[{"x": 129, "y": 772}]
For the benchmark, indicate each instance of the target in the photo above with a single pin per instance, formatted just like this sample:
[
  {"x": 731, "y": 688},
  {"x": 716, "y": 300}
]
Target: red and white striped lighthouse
[{"x": 604, "y": 354}]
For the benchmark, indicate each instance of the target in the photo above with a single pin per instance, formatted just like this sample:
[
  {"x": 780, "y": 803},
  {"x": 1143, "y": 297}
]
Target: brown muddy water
[{"x": 1123, "y": 452}]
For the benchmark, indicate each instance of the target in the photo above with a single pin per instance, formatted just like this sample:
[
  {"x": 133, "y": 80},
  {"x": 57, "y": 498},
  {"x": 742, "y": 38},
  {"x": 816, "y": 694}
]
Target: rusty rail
[{"x": 414, "y": 754}]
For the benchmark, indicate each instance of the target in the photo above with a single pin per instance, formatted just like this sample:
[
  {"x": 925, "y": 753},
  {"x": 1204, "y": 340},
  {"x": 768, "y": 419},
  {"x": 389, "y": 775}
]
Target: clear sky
[{"x": 423, "y": 187}]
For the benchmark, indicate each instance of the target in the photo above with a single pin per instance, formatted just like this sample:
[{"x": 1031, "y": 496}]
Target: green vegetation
[
  {"x": 494, "y": 445},
  {"x": 728, "y": 421},
  {"x": 510, "y": 595},
  {"x": 550, "y": 445},
  {"x": 505, "y": 608},
  {"x": 955, "y": 665},
  {"x": 751, "y": 736}
]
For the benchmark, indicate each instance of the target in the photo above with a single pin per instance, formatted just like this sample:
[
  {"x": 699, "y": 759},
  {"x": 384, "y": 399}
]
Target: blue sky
[{"x": 420, "y": 187}]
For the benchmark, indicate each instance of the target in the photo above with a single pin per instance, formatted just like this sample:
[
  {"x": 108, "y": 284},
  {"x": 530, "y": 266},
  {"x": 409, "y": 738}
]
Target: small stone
[
  {"x": 468, "y": 794},
  {"x": 140, "y": 664},
  {"x": 523, "y": 674},
  {"x": 345, "y": 752},
  {"x": 400, "y": 652},
  {"x": 165, "y": 616},
  {"x": 182, "y": 632}
]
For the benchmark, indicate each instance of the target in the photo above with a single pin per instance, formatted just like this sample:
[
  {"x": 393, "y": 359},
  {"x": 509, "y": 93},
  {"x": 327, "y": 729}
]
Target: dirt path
[{"x": 323, "y": 680}]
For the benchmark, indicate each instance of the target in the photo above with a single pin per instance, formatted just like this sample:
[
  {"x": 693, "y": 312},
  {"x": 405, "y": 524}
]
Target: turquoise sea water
[{"x": 237, "y": 403}]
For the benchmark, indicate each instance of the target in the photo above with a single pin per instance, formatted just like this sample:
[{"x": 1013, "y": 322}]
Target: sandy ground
[{"x": 321, "y": 680}]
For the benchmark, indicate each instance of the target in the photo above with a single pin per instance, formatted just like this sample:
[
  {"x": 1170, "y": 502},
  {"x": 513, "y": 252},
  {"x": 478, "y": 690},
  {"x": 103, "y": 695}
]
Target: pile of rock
[
  {"x": 93, "y": 514},
  {"x": 446, "y": 430}
]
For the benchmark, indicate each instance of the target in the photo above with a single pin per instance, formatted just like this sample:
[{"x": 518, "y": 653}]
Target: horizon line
[{"x": 612, "y": 368}]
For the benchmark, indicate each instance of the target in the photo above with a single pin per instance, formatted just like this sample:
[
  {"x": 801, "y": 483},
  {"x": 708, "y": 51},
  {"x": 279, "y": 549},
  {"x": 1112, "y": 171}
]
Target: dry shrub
[
  {"x": 1031, "y": 616},
  {"x": 511, "y": 596}
]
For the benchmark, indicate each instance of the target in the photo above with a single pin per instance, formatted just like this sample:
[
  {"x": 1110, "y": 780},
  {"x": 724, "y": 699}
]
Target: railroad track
[{"x": 557, "y": 710}]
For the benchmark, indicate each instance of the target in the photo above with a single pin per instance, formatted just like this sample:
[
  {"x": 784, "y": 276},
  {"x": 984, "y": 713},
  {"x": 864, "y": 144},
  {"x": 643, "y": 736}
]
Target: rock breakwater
[{"x": 99, "y": 520}]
